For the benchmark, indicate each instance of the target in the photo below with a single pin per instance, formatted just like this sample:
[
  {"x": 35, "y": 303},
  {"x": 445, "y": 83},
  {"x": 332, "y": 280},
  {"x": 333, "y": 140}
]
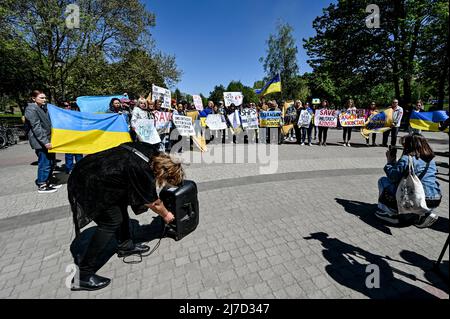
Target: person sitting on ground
[
  {"x": 102, "y": 186},
  {"x": 414, "y": 145}
]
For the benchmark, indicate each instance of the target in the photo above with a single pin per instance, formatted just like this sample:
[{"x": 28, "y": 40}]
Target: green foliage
[
  {"x": 216, "y": 95},
  {"x": 111, "y": 51},
  {"x": 281, "y": 58}
]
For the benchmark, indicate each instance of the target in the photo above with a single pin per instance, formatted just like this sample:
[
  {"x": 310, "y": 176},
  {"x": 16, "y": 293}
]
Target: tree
[
  {"x": 216, "y": 95},
  {"x": 281, "y": 58},
  {"x": 433, "y": 52},
  {"x": 110, "y": 33},
  {"x": 356, "y": 58}
]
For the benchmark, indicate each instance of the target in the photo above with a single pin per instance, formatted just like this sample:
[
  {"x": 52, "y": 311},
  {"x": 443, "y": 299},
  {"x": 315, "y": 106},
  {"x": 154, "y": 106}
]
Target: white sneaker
[
  {"x": 44, "y": 189},
  {"x": 348, "y": 144},
  {"x": 55, "y": 186},
  {"x": 427, "y": 221},
  {"x": 344, "y": 144},
  {"x": 302, "y": 144}
]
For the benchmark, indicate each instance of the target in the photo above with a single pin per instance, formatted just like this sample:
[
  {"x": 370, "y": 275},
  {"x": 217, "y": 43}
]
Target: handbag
[{"x": 410, "y": 193}]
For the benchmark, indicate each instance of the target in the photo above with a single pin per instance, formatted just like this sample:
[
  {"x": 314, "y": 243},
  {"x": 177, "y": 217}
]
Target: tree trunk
[{"x": 441, "y": 87}]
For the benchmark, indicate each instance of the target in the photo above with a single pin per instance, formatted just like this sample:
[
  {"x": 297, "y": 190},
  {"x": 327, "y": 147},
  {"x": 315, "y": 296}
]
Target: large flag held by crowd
[{"x": 86, "y": 133}]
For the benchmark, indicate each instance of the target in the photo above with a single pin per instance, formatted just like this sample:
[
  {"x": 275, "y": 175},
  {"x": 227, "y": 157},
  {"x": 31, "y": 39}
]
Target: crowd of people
[{"x": 102, "y": 185}]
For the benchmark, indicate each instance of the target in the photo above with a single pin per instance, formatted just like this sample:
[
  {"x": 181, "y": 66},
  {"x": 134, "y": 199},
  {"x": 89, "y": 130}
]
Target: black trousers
[
  {"x": 374, "y": 138},
  {"x": 323, "y": 132},
  {"x": 298, "y": 134},
  {"x": 111, "y": 223},
  {"x": 394, "y": 132},
  {"x": 347, "y": 134}
]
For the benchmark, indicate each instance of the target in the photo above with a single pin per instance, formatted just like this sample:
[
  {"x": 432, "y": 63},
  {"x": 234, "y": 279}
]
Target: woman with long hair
[
  {"x": 347, "y": 135},
  {"x": 323, "y": 131},
  {"x": 416, "y": 147}
]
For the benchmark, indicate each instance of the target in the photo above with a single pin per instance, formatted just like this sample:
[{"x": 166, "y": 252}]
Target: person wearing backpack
[{"x": 416, "y": 149}]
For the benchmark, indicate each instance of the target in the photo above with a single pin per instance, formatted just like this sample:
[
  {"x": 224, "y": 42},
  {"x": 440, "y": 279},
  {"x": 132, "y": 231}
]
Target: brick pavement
[{"x": 306, "y": 231}]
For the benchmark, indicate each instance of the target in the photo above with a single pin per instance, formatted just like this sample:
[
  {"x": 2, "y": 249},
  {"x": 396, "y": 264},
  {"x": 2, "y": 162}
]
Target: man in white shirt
[{"x": 397, "y": 118}]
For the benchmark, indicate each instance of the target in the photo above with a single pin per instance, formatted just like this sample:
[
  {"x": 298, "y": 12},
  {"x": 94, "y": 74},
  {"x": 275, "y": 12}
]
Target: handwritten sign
[
  {"x": 146, "y": 131},
  {"x": 249, "y": 118},
  {"x": 326, "y": 118},
  {"x": 216, "y": 122},
  {"x": 270, "y": 118},
  {"x": 163, "y": 121},
  {"x": 235, "y": 98},
  {"x": 161, "y": 94},
  {"x": 198, "y": 102},
  {"x": 184, "y": 125},
  {"x": 351, "y": 119},
  {"x": 304, "y": 119}
]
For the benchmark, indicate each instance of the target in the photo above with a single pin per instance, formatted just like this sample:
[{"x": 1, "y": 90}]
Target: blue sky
[{"x": 216, "y": 41}]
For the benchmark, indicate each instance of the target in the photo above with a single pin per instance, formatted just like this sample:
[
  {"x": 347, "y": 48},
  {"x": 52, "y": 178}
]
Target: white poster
[
  {"x": 161, "y": 94},
  {"x": 216, "y": 122},
  {"x": 146, "y": 131},
  {"x": 235, "y": 98},
  {"x": 249, "y": 119},
  {"x": 234, "y": 119},
  {"x": 326, "y": 118},
  {"x": 304, "y": 119},
  {"x": 163, "y": 121},
  {"x": 184, "y": 125},
  {"x": 198, "y": 102}
]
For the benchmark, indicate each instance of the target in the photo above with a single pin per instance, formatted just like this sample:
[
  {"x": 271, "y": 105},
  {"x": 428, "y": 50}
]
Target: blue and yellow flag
[
  {"x": 427, "y": 121},
  {"x": 86, "y": 133},
  {"x": 378, "y": 123},
  {"x": 272, "y": 86},
  {"x": 96, "y": 104}
]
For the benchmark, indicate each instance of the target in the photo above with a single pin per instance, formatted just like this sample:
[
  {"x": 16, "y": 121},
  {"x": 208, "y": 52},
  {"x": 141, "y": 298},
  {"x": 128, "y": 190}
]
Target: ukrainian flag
[
  {"x": 272, "y": 86},
  {"x": 86, "y": 133},
  {"x": 378, "y": 123},
  {"x": 427, "y": 121},
  {"x": 96, "y": 104}
]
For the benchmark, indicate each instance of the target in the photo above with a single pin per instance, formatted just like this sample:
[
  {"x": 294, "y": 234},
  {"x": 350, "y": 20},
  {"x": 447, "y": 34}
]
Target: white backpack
[{"x": 410, "y": 193}]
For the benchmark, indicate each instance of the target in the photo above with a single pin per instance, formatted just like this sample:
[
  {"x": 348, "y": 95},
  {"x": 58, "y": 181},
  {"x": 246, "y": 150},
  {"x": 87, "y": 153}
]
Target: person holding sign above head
[
  {"x": 323, "y": 130},
  {"x": 347, "y": 135}
]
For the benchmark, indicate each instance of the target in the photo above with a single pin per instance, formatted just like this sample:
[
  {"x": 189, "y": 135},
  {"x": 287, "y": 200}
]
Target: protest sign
[
  {"x": 249, "y": 118},
  {"x": 290, "y": 115},
  {"x": 161, "y": 94},
  {"x": 270, "y": 118},
  {"x": 351, "y": 119},
  {"x": 146, "y": 131},
  {"x": 162, "y": 121},
  {"x": 234, "y": 119},
  {"x": 304, "y": 119},
  {"x": 184, "y": 125},
  {"x": 378, "y": 123},
  {"x": 198, "y": 102},
  {"x": 235, "y": 98},
  {"x": 315, "y": 101},
  {"x": 326, "y": 118},
  {"x": 216, "y": 122}
]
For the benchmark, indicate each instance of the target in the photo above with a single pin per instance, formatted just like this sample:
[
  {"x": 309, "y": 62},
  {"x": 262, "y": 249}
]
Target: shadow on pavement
[
  {"x": 348, "y": 267},
  {"x": 441, "y": 225},
  {"x": 139, "y": 233},
  {"x": 365, "y": 212},
  {"x": 438, "y": 279}
]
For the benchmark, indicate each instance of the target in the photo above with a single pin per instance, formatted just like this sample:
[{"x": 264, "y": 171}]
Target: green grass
[{"x": 10, "y": 115}]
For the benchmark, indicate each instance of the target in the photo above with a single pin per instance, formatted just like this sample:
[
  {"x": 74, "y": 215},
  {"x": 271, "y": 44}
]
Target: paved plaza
[{"x": 306, "y": 230}]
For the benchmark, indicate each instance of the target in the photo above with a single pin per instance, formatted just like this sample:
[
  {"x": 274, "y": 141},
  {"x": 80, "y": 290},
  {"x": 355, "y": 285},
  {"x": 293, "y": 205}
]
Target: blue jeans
[
  {"x": 69, "y": 161},
  {"x": 306, "y": 131},
  {"x": 45, "y": 166}
]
